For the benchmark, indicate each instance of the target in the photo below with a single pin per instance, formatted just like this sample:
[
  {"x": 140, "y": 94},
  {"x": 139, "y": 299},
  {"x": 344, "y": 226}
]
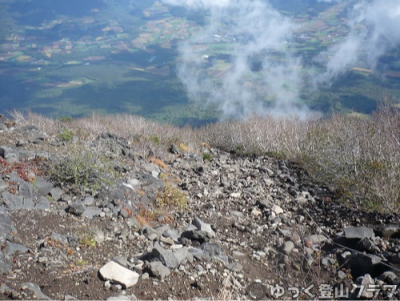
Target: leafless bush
[
  {"x": 145, "y": 136},
  {"x": 361, "y": 156},
  {"x": 258, "y": 135},
  {"x": 47, "y": 125},
  {"x": 128, "y": 126}
]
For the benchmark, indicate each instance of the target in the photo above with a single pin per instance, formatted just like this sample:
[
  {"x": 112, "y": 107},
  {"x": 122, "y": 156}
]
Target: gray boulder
[
  {"x": 56, "y": 193},
  {"x": 288, "y": 247},
  {"x": 202, "y": 226},
  {"x": 6, "y": 224},
  {"x": 11, "y": 201},
  {"x": 358, "y": 232},
  {"x": 167, "y": 257},
  {"x": 92, "y": 212},
  {"x": 36, "y": 290},
  {"x": 3, "y": 185},
  {"x": 213, "y": 251},
  {"x": 122, "y": 298},
  {"x": 158, "y": 270},
  {"x": 25, "y": 189},
  {"x": 389, "y": 277},
  {"x": 12, "y": 248},
  {"x": 5, "y": 267},
  {"x": 43, "y": 204},
  {"x": 43, "y": 186}
]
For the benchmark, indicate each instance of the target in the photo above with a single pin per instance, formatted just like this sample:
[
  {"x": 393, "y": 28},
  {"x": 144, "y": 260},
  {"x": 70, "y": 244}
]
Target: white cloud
[
  {"x": 374, "y": 29},
  {"x": 261, "y": 33},
  {"x": 199, "y": 3}
]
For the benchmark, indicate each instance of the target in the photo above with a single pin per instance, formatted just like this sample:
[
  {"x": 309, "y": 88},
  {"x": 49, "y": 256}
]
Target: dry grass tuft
[
  {"x": 172, "y": 197},
  {"x": 158, "y": 162},
  {"x": 183, "y": 147}
]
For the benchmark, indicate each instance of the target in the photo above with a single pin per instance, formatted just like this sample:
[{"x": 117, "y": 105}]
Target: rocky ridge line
[{"x": 248, "y": 219}]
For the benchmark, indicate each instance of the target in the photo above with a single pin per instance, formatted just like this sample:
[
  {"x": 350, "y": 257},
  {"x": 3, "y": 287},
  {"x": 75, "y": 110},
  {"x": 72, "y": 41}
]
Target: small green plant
[
  {"x": 65, "y": 135},
  {"x": 206, "y": 156},
  {"x": 81, "y": 262},
  {"x": 83, "y": 169},
  {"x": 66, "y": 119},
  {"x": 279, "y": 155},
  {"x": 163, "y": 176},
  {"x": 88, "y": 241},
  {"x": 86, "y": 238},
  {"x": 155, "y": 139},
  {"x": 34, "y": 184},
  {"x": 372, "y": 205}
]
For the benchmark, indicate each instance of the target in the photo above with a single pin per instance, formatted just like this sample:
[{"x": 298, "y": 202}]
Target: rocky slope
[{"x": 199, "y": 225}]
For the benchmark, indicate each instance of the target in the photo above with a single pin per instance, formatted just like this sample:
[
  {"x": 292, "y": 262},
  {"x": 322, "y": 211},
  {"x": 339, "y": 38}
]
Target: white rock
[
  {"x": 256, "y": 212},
  {"x": 277, "y": 209},
  {"x": 367, "y": 281},
  {"x": 121, "y": 297},
  {"x": 301, "y": 200},
  {"x": 114, "y": 272},
  {"x": 99, "y": 236},
  {"x": 133, "y": 182},
  {"x": 176, "y": 247},
  {"x": 268, "y": 182}
]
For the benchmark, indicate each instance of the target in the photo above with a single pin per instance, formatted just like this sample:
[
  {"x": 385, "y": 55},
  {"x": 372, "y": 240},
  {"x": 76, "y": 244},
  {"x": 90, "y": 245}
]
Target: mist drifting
[
  {"x": 261, "y": 35},
  {"x": 374, "y": 30}
]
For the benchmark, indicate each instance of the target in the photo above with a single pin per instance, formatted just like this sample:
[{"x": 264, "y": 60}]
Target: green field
[{"x": 108, "y": 60}]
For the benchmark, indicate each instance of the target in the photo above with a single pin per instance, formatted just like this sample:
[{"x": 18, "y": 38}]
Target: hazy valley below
[{"x": 181, "y": 63}]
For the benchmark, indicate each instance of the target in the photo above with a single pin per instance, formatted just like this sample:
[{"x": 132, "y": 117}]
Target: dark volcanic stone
[
  {"x": 197, "y": 235},
  {"x": 76, "y": 208},
  {"x": 165, "y": 256}
]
